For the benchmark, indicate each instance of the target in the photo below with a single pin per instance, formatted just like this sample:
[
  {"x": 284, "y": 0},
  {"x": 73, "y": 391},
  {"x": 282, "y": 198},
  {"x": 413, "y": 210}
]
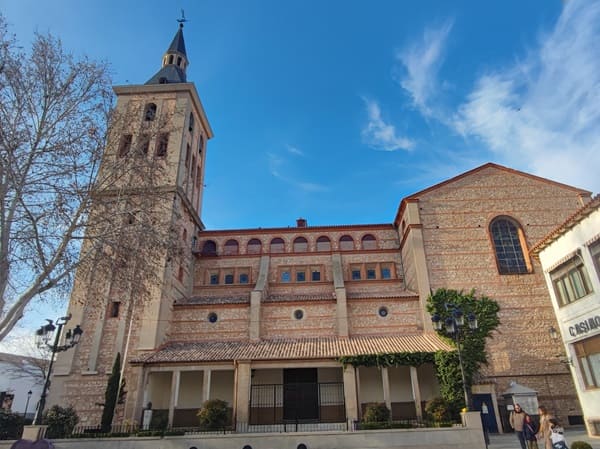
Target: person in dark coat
[{"x": 529, "y": 433}]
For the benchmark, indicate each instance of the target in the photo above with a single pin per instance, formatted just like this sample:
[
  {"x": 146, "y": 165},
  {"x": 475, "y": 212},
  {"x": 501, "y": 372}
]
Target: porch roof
[{"x": 308, "y": 348}]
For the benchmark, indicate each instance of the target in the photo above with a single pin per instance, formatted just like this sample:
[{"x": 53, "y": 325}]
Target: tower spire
[{"x": 174, "y": 61}]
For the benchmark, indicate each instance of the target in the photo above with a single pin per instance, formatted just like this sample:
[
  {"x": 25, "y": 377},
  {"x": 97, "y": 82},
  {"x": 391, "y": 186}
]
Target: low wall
[{"x": 468, "y": 437}]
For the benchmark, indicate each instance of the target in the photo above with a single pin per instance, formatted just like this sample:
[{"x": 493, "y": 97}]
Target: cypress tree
[{"x": 111, "y": 395}]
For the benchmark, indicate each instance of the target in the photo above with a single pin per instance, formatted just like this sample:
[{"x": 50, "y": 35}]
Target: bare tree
[{"x": 63, "y": 203}]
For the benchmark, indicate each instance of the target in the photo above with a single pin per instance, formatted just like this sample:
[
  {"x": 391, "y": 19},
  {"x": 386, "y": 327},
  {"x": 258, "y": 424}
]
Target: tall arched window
[
  {"x": 277, "y": 245},
  {"x": 231, "y": 248},
  {"x": 323, "y": 243},
  {"x": 300, "y": 245},
  {"x": 209, "y": 248},
  {"x": 507, "y": 237},
  {"x": 369, "y": 242},
  {"x": 254, "y": 246},
  {"x": 346, "y": 243},
  {"x": 150, "y": 112}
]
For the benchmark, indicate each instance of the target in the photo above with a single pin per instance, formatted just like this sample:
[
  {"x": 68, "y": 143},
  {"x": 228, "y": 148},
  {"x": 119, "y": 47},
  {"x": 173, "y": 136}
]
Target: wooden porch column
[
  {"x": 206, "y": 376},
  {"x": 350, "y": 396},
  {"x": 175, "y": 378},
  {"x": 385, "y": 382},
  {"x": 416, "y": 391}
]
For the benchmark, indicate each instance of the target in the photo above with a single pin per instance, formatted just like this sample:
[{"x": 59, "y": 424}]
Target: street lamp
[
  {"x": 29, "y": 393},
  {"x": 43, "y": 336},
  {"x": 453, "y": 326}
]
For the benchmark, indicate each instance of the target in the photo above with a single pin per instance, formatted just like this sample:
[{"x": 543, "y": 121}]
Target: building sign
[{"x": 585, "y": 326}]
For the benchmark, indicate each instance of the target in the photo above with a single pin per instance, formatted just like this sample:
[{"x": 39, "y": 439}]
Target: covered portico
[{"x": 273, "y": 382}]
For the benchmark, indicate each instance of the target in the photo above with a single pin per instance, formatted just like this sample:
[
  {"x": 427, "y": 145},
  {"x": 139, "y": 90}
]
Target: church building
[{"x": 260, "y": 318}]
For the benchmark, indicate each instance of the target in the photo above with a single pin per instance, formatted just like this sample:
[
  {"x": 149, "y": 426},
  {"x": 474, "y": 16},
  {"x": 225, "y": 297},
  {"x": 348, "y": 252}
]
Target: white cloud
[
  {"x": 294, "y": 150},
  {"x": 544, "y": 112},
  {"x": 380, "y": 135},
  {"x": 277, "y": 169},
  {"x": 421, "y": 62}
]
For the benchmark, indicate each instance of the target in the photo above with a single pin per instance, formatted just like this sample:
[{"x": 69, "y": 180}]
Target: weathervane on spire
[{"x": 182, "y": 20}]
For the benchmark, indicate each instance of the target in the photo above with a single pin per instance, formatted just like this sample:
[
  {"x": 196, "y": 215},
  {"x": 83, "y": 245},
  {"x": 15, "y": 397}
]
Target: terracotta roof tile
[{"x": 313, "y": 348}]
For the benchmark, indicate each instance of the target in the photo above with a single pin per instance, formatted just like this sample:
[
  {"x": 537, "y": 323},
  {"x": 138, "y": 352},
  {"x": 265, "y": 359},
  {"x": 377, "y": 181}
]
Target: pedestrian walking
[
  {"x": 516, "y": 420},
  {"x": 529, "y": 433}
]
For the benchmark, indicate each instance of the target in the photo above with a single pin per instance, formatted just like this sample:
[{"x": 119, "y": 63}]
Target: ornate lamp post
[
  {"x": 453, "y": 325},
  {"x": 43, "y": 336}
]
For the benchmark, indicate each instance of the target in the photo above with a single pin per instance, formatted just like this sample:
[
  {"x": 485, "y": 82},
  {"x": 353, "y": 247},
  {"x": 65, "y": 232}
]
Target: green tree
[
  {"x": 60, "y": 421},
  {"x": 472, "y": 341},
  {"x": 111, "y": 395}
]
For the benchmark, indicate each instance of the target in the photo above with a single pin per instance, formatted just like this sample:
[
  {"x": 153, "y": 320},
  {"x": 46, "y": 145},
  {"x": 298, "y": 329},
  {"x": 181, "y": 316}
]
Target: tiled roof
[
  {"x": 309, "y": 348},
  {"x": 573, "y": 220}
]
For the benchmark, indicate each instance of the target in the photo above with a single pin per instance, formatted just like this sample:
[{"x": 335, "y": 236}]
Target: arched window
[
  {"x": 507, "y": 237},
  {"x": 231, "y": 248},
  {"x": 150, "y": 112},
  {"x": 254, "y": 246},
  {"x": 300, "y": 245},
  {"x": 346, "y": 243},
  {"x": 369, "y": 242},
  {"x": 184, "y": 236},
  {"x": 191, "y": 123},
  {"x": 323, "y": 244},
  {"x": 277, "y": 245},
  {"x": 209, "y": 248}
]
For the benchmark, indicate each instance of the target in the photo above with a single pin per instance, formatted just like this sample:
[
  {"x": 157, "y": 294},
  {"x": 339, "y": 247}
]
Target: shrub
[
  {"x": 11, "y": 425},
  {"x": 213, "y": 415},
  {"x": 376, "y": 413},
  {"x": 580, "y": 445},
  {"x": 60, "y": 421},
  {"x": 438, "y": 410}
]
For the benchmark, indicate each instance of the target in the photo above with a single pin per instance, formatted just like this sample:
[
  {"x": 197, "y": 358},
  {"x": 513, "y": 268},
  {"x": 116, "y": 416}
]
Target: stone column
[
  {"x": 350, "y": 396},
  {"x": 416, "y": 391},
  {"x": 175, "y": 377},
  {"x": 206, "y": 377},
  {"x": 385, "y": 382},
  {"x": 241, "y": 411}
]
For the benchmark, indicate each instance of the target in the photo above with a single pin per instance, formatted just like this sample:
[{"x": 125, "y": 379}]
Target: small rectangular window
[
  {"x": 386, "y": 273},
  {"x": 285, "y": 276},
  {"x": 161, "y": 144},
  {"x": 243, "y": 278},
  {"x": 371, "y": 273},
  {"x": 229, "y": 278},
  {"x": 214, "y": 279},
  {"x": 300, "y": 276},
  {"x": 356, "y": 274},
  {"x": 114, "y": 309},
  {"x": 125, "y": 144},
  {"x": 187, "y": 155},
  {"x": 316, "y": 276}
]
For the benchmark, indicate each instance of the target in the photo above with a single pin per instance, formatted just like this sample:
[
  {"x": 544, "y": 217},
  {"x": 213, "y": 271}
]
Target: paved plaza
[{"x": 509, "y": 440}]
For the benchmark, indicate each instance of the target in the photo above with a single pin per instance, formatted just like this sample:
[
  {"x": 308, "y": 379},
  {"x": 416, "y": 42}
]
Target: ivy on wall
[
  {"x": 472, "y": 341},
  {"x": 390, "y": 359}
]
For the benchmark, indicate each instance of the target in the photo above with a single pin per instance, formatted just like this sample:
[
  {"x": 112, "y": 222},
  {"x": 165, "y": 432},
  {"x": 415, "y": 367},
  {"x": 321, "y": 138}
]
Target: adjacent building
[
  {"x": 260, "y": 317},
  {"x": 570, "y": 259}
]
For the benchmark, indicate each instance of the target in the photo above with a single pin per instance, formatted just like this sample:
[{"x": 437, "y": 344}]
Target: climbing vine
[
  {"x": 472, "y": 341},
  {"x": 390, "y": 359}
]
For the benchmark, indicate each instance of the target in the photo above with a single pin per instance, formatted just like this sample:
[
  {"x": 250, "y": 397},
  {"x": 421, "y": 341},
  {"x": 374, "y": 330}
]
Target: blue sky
[{"x": 335, "y": 110}]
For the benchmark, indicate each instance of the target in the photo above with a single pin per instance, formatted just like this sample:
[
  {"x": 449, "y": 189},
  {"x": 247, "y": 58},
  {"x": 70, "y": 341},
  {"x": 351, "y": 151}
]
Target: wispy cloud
[
  {"x": 277, "y": 168},
  {"x": 380, "y": 135},
  {"x": 294, "y": 150},
  {"x": 544, "y": 112},
  {"x": 421, "y": 62}
]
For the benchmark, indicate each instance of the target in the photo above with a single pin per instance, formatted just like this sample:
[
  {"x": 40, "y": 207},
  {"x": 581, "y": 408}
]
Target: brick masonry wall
[{"x": 460, "y": 255}]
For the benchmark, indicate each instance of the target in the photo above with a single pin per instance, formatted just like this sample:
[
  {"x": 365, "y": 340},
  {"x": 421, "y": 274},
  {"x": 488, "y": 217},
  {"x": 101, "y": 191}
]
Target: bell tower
[{"x": 156, "y": 150}]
